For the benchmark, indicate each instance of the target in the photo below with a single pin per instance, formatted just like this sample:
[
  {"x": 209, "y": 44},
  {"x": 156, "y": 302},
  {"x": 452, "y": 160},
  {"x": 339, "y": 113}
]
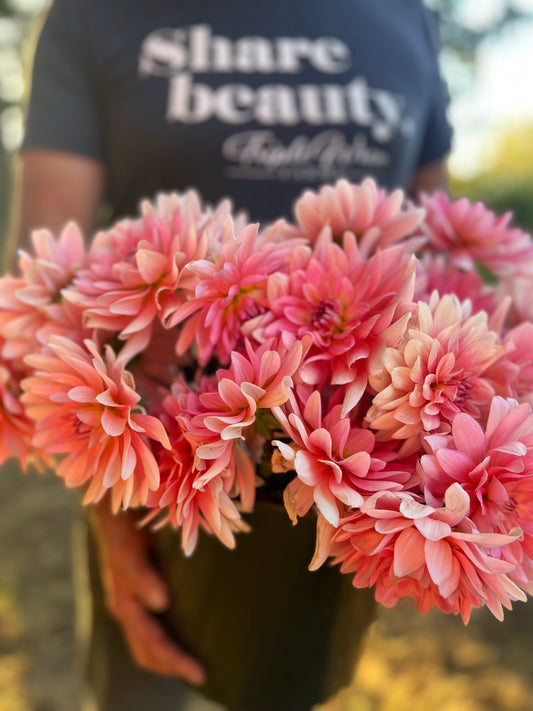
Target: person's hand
[{"x": 133, "y": 590}]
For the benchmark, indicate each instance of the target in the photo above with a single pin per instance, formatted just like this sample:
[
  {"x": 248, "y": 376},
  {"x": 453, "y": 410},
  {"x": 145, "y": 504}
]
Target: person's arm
[
  {"x": 55, "y": 187},
  {"x": 429, "y": 178}
]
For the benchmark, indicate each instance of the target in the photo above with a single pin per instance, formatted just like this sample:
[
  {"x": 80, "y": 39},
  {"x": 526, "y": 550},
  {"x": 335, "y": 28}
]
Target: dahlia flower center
[
  {"x": 323, "y": 315},
  {"x": 509, "y": 506}
]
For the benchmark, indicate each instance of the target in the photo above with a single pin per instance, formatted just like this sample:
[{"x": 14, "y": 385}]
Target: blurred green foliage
[{"x": 506, "y": 181}]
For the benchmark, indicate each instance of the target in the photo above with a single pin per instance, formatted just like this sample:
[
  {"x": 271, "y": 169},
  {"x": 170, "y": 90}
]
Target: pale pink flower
[
  {"x": 181, "y": 499},
  {"x": 436, "y": 372},
  {"x": 335, "y": 461},
  {"x": 230, "y": 290},
  {"x": 85, "y": 408},
  {"x": 435, "y": 555},
  {"x": 350, "y": 308},
  {"x": 376, "y": 217},
  {"x": 137, "y": 269},
  {"x": 471, "y": 232},
  {"x": 494, "y": 466},
  {"x": 32, "y": 301},
  {"x": 519, "y": 289},
  {"x": 512, "y": 374}
]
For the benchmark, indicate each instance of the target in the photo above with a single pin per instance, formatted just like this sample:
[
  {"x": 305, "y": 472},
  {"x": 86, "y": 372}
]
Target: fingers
[
  {"x": 152, "y": 648},
  {"x": 143, "y": 580},
  {"x": 133, "y": 588}
]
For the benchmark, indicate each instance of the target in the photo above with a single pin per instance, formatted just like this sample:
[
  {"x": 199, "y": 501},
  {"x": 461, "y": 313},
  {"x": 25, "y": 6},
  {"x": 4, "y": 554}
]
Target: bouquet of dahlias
[{"x": 362, "y": 347}]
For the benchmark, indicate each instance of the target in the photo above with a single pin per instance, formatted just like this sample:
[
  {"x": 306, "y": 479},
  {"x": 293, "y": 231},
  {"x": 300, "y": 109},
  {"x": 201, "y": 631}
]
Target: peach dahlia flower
[
  {"x": 436, "y": 372},
  {"x": 434, "y": 554},
  {"x": 376, "y": 217},
  {"x": 86, "y": 409}
]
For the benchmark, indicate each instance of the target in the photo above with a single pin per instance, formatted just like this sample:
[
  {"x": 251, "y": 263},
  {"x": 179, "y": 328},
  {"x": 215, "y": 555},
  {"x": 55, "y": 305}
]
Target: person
[{"x": 255, "y": 101}]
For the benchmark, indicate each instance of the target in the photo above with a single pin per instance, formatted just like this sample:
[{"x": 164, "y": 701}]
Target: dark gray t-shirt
[{"x": 256, "y": 101}]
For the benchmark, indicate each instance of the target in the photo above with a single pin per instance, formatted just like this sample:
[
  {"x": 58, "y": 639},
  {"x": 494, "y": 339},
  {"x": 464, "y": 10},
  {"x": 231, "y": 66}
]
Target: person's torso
[{"x": 259, "y": 100}]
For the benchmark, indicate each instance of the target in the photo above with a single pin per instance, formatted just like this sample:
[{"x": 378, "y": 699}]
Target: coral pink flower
[
  {"x": 231, "y": 290},
  {"x": 137, "y": 269},
  {"x": 86, "y": 408},
  {"x": 350, "y": 308},
  {"x": 16, "y": 429},
  {"x": 33, "y": 301},
  {"x": 435, "y": 555},
  {"x": 495, "y": 467},
  {"x": 471, "y": 232},
  {"x": 334, "y": 460},
  {"x": 181, "y": 499},
  {"x": 223, "y": 412},
  {"x": 436, "y": 372},
  {"x": 259, "y": 379},
  {"x": 377, "y": 218}
]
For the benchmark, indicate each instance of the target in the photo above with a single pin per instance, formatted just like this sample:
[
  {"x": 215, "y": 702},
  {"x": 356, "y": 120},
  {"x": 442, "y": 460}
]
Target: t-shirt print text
[{"x": 182, "y": 55}]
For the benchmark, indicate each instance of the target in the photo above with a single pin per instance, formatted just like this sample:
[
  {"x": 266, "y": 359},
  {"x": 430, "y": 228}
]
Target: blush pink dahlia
[
  {"x": 377, "y": 218},
  {"x": 494, "y": 466},
  {"x": 86, "y": 408},
  {"x": 334, "y": 460},
  {"x": 32, "y": 301},
  {"x": 137, "y": 269},
  {"x": 435, "y": 555},
  {"x": 436, "y": 372},
  {"x": 471, "y": 232}
]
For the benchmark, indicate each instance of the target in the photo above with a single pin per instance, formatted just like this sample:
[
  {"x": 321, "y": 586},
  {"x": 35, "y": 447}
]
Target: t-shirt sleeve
[
  {"x": 437, "y": 140},
  {"x": 63, "y": 111}
]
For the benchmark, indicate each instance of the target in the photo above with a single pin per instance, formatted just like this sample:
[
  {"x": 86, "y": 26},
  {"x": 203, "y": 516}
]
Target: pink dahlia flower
[
  {"x": 32, "y": 301},
  {"x": 351, "y": 309},
  {"x": 471, "y": 232},
  {"x": 519, "y": 290},
  {"x": 86, "y": 408},
  {"x": 494, "y": 466},
  {"x": 16, "y": 429},
  {"x": 224, "y": 412},
  {"x": 435, "y": 555},
  {"x": 512, "y": 374},
  {"x": 182, "y": 499},
  {"x": 435, "y": 273},
  {"x": 377, "y": 218},
  {"x": 436, "y": 372},
  {"x": 334, "y": 460},
  {"x": 137, "y": 269},
  {"x": 230, "y": 290}
]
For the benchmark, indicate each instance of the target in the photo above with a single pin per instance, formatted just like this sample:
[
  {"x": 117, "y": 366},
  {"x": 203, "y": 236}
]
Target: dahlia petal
[
  {"x": 82, "y": 393},
  {"x": 151, "y": 265},
  {"x": 323, "y": 541},
  {"x": 298, "y": 499},
  {"x": 326, "y": 503},
  {"x": 432, "y": 529},
  {"x": 354, "y": 393},
  {"x": 438, "y": 557},
  {"x": 112, "y": 423},
  {"x": 408, "y": 553},
  {"x": 468, "y": 436}
]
